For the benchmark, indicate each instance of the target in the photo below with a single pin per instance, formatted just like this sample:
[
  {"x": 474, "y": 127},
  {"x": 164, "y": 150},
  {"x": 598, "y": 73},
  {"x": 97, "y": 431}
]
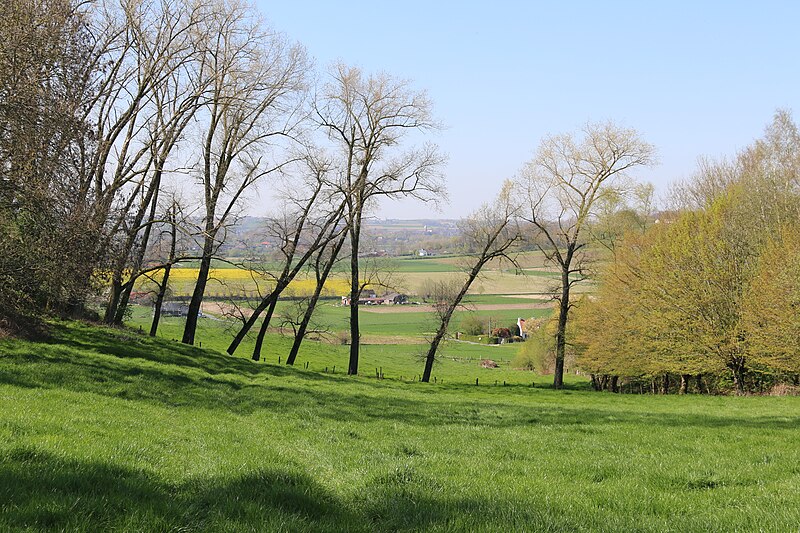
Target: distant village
[{"x": 421, "y": 238}]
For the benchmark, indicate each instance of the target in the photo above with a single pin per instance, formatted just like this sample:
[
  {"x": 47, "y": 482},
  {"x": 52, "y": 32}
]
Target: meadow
[
  {"x": 108, "y": 429},
  {"x": 105, "y": 429},
  {"x": 395, "y": 350},
  {"x": 409, "y": 275}
]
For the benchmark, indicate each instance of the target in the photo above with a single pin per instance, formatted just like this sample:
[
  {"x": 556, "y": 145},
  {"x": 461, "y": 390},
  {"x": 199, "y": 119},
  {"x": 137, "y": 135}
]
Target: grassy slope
[{"x": 105, "y": 429}]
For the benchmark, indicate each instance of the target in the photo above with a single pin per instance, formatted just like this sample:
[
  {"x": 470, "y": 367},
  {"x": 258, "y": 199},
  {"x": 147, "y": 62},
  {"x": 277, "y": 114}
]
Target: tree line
[{"x": 706, "y": 298}]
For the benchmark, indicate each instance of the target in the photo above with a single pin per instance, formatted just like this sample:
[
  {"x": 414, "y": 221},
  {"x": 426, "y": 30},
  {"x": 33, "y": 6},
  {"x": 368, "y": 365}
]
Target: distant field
[
  {"x": 233, "y": 281},
  {"x": 225, "y": 281}
]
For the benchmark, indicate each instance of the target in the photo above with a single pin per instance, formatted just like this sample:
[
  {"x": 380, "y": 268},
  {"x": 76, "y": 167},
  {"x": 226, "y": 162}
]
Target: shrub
[
  {"x": 473, "y": 325},
  {"x": 342, "y": 338},
  {"x": 537, "y": 353},
  {"x": 503, "y": 333}
]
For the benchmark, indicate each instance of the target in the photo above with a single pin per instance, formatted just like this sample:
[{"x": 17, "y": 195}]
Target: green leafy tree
[{"x": 771, "y": 305}]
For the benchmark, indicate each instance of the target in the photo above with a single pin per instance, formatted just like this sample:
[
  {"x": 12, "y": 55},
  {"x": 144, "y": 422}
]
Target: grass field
[
  {"x": 231, "y": 281},
  {"x": 103, "y": 429},
  {"x": 410, "y": 273},
  {"x": 458, "y": 364}
]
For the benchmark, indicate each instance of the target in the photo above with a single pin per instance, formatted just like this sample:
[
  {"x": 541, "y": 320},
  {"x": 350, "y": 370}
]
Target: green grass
[
  {"x": 422, "y": 264},
  {"x": 458, "y": 362},
  {"x": 103, "y": 429},
  {"x": 503, "y": 299},
  {"x": 413, "y": 325}
]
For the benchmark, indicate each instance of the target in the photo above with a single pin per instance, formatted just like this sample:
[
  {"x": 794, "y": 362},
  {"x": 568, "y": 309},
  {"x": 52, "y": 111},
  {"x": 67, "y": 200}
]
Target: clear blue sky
[{"x": 695, "y": 78}]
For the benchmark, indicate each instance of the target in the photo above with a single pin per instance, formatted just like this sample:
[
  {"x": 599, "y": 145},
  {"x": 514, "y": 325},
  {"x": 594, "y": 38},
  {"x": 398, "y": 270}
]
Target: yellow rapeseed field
[{"x": 234, "y": 281}]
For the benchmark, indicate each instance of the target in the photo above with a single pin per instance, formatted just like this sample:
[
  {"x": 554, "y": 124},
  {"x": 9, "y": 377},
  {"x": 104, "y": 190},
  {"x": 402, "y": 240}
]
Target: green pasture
[
  {"x": 107, "y": 430},
  {"x": 336, "y": 318},
  {"x": 413, "y": 323},
  {"x": 421, "y": 264},
  {"x": 496, "y": 299},
  {"x": 458, "y": 362}
]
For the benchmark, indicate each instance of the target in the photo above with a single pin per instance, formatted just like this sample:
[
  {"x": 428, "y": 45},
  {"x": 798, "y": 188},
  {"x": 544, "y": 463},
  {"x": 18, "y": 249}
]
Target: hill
[{"x": 106, "y": 429}]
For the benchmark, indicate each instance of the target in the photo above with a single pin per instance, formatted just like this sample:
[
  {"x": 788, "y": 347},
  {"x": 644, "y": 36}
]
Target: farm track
[{"x": 429, "y": 308}]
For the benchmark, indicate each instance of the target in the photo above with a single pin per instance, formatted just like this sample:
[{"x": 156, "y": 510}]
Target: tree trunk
[
  {"x": 301, "y": 331},
  {"x": 124, "y": 300},
  {"x": 563, "y": 312},
  {"x": 114, "y": 297},
  {"x": 237, "y": 340},
  {"x": 322, "y": 277},
  {"x": 355, "y": 293},
  {"x": 115, "y": 313},
  {"x": 665, "y": 384},
  {"x": 263, "y": 330},
  {"x": 431, "y": 356},
  {"x": 561, "y": 339},
  {"x": 684, "y": 384},
  {"x": 197, "y": 297},
  {"x": 444, "y": 319},
  {"x": 739, "y": 371},
  {"x": 162, "y": 291},
  {"x": 595, "y": 382},
  {"x": 614, "y": 382}
]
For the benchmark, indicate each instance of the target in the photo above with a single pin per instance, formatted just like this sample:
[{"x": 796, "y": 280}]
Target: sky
[{"x": 698, "y": 78}]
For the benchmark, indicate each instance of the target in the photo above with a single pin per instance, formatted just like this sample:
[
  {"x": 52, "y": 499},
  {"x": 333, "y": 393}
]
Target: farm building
[
  {"x": 521, "y": 326},
  {"x": 175, "y": 309},
  {"x": 372, "y": 299}
]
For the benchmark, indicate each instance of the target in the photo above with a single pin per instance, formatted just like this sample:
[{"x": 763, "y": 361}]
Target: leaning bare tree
[
  {"x": 366, "y": 118},
  {"x": 311, "y": 218},
  {"x": 490, "y": 233},
  {"x": 564, "y": 183},
  {"x": 322, "y": 264},
  {"x": 251, "y": 103}
]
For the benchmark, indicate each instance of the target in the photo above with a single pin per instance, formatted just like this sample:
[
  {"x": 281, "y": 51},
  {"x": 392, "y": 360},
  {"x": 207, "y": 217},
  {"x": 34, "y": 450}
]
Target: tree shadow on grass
[
  {"x": 43, "y": 492},
  {"x": 125, "y": 343},
  {"x": 40, "y": 491}
]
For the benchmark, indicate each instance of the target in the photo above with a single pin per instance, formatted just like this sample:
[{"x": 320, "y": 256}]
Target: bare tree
[
  {"x": 311, "y": 218},
  {"x": 139, "y": 45},
  {"x": 174, "y": 101},
  {"x": 564, "y": 183},
  {"x": 251, "y": 103},
  {"x": 323, "y": 263},
  {"x": 490, "y": 233},
  {"x": 366, "y": 118}
]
